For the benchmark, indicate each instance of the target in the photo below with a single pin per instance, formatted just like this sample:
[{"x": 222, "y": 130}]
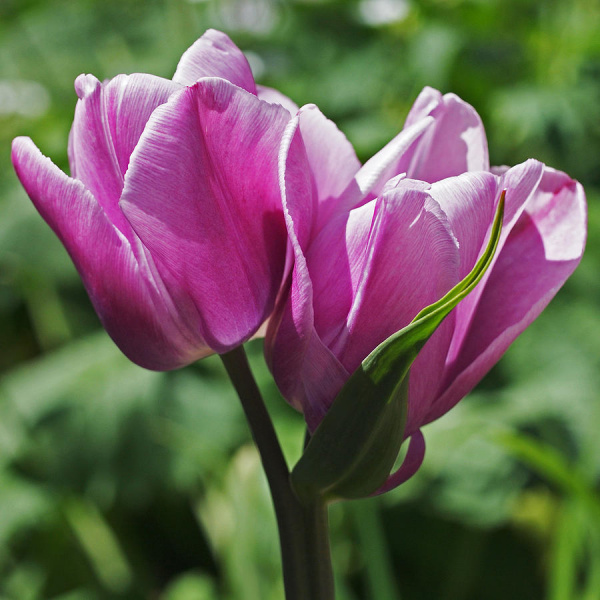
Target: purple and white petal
[
  {"x": 542, "y": 250},
  {"x": 136, "y": 309},
  {"x": 215, "y": 55},
  {"x": 109, "y": 120},
  {"x": 455, "y": 144},
  {"x": 273, "y": 96},
  {"x": 203, "y": 184}
]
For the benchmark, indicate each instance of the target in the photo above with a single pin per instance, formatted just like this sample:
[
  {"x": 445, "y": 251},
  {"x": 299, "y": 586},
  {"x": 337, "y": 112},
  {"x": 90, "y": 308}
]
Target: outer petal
[
  {"x": 215, "y": 55},
  {"x": 454, "y": 145},
  {"x": 468, "y": 202},
  {"x": 135, "y": 307},
  {"x": 330, "y": 157},
  {"x": 540, "y": 253},
  {"x": 306, "y": 372},
  {"x": 390, "y": 161},
  {"x": 520, "y": 183},
  {"x": 202, "y": 194},
  {"x": 337, "y": 260},
  {"x": 109, "y": 119},
  {"x": 411, "y": 261},
  {"x": 274, "y": 96}
]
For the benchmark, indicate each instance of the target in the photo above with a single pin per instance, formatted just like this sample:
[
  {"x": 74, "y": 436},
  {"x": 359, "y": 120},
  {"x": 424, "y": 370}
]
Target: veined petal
[
  {"x": 215, "y": 55},
  {"x": 390, "y": 161},
  {"x": 307, "y": 373},
  {"x": 202, "y": 194},
  {"x": 541, "y": 251},
  {"x": 109, "y": 119},
  {"x": 274, "y": 96},
  {"x": 331, "y": 158},
  {"x": 136, "y": 309},
  {"x": 336, "y": 261},
  {"x": 468, "y": 201},
  {"x": 412, "y": 261},
  {"x": 455, "y": 144},
  {"x": 520, "y": 183}
]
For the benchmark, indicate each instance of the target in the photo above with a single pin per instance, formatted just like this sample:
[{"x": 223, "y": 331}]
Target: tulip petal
[
  {"x": 455, "y": 144},
  {"x": 202, "y": 194},
  {"x": 135, "y": 307},
  {"x": 109, "y": 119},
  {"x": 307, "y": 373},
  {"x": 331, "y": 159},
  {"x": 274, "y": 96},
  {"x": 412, "y": 261},
  {"x": 468, "y": 203},
  {"x": 336, "y": 261},
  {"x": 317, "y": 163},
  {"x": 410, "y": 465},
  {"x": 215, "y": 55},
  {"x": 390, "y": 161},
  {"x": 541, "y": 251},
  {"x": 520, "y": 182}
]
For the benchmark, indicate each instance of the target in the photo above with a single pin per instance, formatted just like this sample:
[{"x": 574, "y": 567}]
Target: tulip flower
[
  {"x": 172, "y": 213},
  {"x": 374, "y": 245}
]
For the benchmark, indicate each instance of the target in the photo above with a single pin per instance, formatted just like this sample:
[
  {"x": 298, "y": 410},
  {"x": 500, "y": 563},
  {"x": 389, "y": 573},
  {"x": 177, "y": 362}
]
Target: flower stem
[{"x": 303, "y": 530}]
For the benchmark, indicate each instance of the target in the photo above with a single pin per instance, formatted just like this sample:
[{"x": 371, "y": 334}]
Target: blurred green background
[{"x": 119, "y": 483}]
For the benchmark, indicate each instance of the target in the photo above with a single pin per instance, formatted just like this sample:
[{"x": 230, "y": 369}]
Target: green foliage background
[{"x": 119, "y": 483}]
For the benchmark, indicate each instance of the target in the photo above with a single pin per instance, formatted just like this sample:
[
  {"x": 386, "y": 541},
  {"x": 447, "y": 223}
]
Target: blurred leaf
[
  {"x": 240, "y": 523},
  {"x": 551, "y": 465},
  {"x": 100, "y": 544},
  {"x": 191, "y": 586}
]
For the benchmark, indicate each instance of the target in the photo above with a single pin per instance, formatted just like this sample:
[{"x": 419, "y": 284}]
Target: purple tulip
[
  {"x": 172, "y": 214},
  {"x": 375, "y": 245}
]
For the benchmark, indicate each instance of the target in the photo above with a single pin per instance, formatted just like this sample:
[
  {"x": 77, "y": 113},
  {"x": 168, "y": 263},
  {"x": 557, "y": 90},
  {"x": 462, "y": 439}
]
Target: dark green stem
[
  {"x": 319, "y": 571},
  {"x": 303, "y": 530}
]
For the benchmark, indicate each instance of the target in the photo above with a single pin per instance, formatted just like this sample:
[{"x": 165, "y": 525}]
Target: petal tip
[
  {"x": 19, "y": 144},
  {"x": 85, "y": 85}
]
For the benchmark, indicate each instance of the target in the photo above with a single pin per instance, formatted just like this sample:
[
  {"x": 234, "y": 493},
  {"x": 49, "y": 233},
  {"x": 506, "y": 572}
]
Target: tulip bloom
[
  {"x": 373, "y": 246},
  {"x": 172, "y": 213}
]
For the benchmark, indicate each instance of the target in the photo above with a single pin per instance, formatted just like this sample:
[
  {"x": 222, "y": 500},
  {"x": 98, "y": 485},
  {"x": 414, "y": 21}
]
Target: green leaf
[{"x": 354, "y": 448}]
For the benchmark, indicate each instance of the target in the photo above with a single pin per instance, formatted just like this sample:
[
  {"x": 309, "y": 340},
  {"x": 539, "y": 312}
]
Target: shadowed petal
[
  {"x": 410, "y": 465},
  {"x": 336, "y": 261},
  {"x": 135, "y": 307},
  {"x": 215, "y": 55},
  {"x": 202, "y": 194}
]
